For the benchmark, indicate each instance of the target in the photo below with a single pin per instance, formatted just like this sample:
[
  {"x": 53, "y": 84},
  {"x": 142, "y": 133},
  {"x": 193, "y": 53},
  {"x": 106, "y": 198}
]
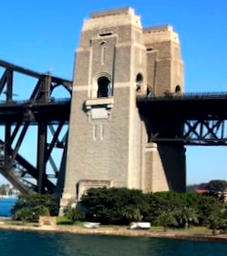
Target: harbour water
[
  {"x": 58, "y": 244},
  {"x": 6, "y": 205}
]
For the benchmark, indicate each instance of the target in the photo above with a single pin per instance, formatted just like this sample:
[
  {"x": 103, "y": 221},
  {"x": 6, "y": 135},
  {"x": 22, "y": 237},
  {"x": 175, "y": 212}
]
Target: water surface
[
  {"x": 6, "y": 205},
  {"x": 17, "y": 243}
]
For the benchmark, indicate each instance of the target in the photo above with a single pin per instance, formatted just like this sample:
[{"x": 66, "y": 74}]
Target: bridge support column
[
  {"x": 7, "y": 145},
  {"x": 165, "y": 167},
  {"x": 41, "y": 163}
]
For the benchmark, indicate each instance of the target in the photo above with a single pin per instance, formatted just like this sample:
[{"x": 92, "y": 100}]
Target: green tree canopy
[
  {"x": 114, "y": 205},
  {"x": 217, "y": 185},
  {"x": 38, "y": 204}
]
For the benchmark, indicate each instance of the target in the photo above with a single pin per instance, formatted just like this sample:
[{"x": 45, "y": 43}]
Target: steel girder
[
  {"x": 42, "y": 111},
  {"x": 190, "y": 120}
]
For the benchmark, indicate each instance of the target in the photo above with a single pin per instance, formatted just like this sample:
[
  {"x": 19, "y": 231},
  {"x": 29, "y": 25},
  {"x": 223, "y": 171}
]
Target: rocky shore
[{"x": 119, "y": 232}]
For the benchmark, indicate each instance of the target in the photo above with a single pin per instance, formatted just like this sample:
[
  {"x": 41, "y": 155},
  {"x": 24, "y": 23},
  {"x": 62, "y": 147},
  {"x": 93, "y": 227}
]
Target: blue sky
[{"x": 43, "y": 35}]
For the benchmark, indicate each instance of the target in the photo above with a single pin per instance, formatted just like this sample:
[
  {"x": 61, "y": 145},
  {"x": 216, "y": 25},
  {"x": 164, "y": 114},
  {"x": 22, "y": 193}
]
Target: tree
[
  {"x": 215, "y": 222},
  {"x": 163, "y": 202},
  {"x": 4, "y": 189},
  {"x": 74, "y": 215},
  {"x": 39, "y": 210},
  {"x": 186, "y": 215},
  {"x": 131, "y": 214},
  {"x": 207, "y": 206},
  {"x": 24, "y": 214},
  {"x": 166, "y": 219},
  {"x": 37, "y": 204},
  {"x": 217, "y": 185},
  {"x": 108, "y": 205}
]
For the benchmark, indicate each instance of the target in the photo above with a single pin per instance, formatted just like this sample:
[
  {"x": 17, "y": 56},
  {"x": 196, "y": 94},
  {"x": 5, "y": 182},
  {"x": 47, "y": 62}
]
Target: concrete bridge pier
[{"x": 165, "y": 167}]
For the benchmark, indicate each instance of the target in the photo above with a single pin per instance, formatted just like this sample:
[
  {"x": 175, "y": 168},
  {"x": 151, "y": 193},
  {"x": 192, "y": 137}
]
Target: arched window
[
  {"x": 139, "y": 82},
  {"x": 103, "y": 87},
  {"x": 178, "y": 89}
]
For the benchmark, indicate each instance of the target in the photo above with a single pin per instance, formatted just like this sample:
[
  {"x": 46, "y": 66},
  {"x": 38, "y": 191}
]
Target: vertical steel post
[
  {"x": 44, "y": 91},
  {"x": 7, "y": 146},
  {"x": 9, "y": 88},
  {"x": 41, "y": 154},
  {"x": 9, "y": 93}
]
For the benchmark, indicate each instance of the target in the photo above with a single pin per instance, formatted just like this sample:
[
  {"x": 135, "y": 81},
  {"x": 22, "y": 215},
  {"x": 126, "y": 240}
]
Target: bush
[
  {"x": 39, "y": 210},
  {"x": 108, "y": 206},
  {"x": 74, "y": 215},
  {"x": 24, "y": 214},
  {"x": 34, "y": 205}
]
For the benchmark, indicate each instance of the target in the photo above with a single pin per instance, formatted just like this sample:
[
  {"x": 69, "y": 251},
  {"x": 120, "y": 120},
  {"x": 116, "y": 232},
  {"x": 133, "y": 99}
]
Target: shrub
[{"x": 35, "y": 205}]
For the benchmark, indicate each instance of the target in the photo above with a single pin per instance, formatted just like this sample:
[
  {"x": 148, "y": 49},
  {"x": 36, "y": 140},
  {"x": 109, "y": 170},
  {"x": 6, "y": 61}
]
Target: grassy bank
[{"x": 193, "y": 233}]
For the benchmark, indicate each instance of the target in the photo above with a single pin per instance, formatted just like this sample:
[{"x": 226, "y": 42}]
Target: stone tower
[
  {"x": 165, "y": 165},
  {"x": 116, "y": 61}
]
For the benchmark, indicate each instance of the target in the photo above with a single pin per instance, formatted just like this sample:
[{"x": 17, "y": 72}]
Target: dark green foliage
[
  {"x": 213, "y": 185},
  {"x": 186, "y": 216},
  {"x": 28, "y": 214},
  {"x": 122, "y": 206},
  {"x": 23, "y": 214},
  {"x": 74, "y": 215},
  {"x": 162, "y": 202},
  {"x": 166, "y": 219},
  {"x": 207, "y": 206},
  {"x": 39, "y": 210},
  {"x": 217, "y": 185},
  {"x": 216, "y": 222},
  {"x": 114, "y": 205},
  {"x": 36, "y": 205}
]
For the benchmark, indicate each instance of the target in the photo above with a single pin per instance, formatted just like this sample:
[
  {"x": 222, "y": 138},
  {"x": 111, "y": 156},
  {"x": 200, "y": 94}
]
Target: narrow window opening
[
  {"x": 149, "y": 49},
  {"x": 139, "y": 81},
  {"x": 178, "y": 89},
  {"x": 105, "y": 34},
  {"x": 103, "y": 87}
]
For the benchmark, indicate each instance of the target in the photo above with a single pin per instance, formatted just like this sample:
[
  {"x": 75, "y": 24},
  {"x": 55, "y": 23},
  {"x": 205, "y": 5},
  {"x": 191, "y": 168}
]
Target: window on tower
[
  {"x": 139, "y": 82},
  {"x": 104, "y": 88},
  {"x": 177, "y": 90}
]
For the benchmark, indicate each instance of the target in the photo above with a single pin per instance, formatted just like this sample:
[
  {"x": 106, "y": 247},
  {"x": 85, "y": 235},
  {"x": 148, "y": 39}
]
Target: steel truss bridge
[
  {"x": 48, "y": 114},
  {"x": 188, "y": 119}
]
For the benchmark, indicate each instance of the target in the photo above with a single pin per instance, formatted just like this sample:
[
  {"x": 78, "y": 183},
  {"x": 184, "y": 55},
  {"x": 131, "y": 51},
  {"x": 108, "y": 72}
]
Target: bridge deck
[
  {"x": 189, "y": 106},
  {"x": 194, "y": 119},
  {"x": 34, "y": 111}
]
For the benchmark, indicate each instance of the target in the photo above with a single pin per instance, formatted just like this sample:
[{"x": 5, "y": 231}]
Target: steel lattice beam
[
  {"x": 40, "y": 110},
  {"x": 190, "y": 119}
]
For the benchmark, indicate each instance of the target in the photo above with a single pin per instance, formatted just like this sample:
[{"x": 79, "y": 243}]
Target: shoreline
[{"x": 119, "y": 232}]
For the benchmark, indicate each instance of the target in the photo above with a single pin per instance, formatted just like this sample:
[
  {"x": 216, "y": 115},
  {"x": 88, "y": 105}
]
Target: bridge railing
[
  {"x": 185, "y": 96},
  {"x": 35, "y": 102}
]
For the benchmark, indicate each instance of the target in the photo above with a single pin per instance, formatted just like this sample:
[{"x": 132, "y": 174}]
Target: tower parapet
[
  {"x": 160, "y": 34},
  {"x": 165, "y": 70}
]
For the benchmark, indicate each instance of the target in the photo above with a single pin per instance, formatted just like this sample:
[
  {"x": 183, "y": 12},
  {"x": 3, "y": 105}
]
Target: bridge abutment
[{"x": 165, "y": 167}]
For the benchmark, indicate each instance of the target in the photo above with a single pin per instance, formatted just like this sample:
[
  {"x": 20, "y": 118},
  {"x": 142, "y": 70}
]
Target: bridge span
[
  {"x": 50, "y": 115},
  {"x": 190, "y": 118}
]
